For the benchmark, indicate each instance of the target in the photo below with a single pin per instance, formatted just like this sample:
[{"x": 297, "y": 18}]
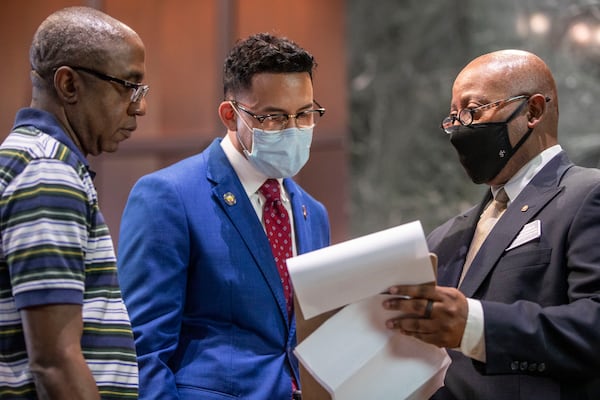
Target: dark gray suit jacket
[{"x": 541, "y": 299}]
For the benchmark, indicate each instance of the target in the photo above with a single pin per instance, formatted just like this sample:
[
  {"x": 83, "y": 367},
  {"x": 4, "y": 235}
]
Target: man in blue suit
[
  {"x": 520, "y": 314},
  {"x": 208, "y": 307}
]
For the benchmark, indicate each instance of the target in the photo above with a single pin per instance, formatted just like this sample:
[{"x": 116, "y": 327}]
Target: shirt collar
[
  {"x": 518, "y": 182},
  {"x": 251, "y": 178},
  {"x": 47, "y": 123}
]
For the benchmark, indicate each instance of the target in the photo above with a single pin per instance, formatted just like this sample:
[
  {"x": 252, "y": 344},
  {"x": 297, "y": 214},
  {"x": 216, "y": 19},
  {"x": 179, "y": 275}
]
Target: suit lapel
[
  {"x": 533, "y": 198},
  {"x": 300, "y": 214},
  {"x": 241, "y": 214}
]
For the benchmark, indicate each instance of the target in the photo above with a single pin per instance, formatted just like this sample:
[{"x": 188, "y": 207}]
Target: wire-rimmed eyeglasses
[
  {"x": 278, "y": 121},
  {"x": 467, "y": 115},
  {"x": 138, "y": 90}
]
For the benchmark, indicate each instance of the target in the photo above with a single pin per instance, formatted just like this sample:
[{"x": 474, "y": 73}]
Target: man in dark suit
[
  {"x": 210, "y": 304},
  {"x": 520, "y": 315}
]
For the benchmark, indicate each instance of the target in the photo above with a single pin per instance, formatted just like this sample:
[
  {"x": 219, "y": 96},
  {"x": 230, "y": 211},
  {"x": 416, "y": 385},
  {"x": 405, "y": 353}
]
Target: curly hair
[{"x": 260, "y": 53}]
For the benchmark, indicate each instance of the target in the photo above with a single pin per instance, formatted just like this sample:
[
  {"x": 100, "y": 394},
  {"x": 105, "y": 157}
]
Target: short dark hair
[
  {"x": 260, "y": 53},
  {"x": 75, "y": 36}
]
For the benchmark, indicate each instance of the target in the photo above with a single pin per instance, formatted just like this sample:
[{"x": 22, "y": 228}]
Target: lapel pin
[
  {"x": 524, "y": 208},
  {"x": 304, "y": 213},
  {"x": 229, "y": 198}
]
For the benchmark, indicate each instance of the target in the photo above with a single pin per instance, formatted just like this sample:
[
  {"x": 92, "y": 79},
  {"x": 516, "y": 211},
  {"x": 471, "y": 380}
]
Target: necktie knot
[
  {"x": 270, "y": 189},
  {"x": 501, "y": 199}
]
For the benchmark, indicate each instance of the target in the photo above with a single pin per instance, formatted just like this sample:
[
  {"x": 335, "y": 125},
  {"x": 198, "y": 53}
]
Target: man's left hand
[{"x": 433, "y": 314}]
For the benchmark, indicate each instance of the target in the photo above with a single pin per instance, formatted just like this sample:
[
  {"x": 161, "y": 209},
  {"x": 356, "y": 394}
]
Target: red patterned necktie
[
  {"x": 277, "y": 225},
  {"x": 279, "y": 232}
]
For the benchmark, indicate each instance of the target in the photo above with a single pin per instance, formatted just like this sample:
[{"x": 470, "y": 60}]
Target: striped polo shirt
[{"x": 55, "y": 248}]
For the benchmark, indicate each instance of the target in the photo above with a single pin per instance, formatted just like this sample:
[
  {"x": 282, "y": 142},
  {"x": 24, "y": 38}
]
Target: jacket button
[
  {"x": 514, "y": 366},
  {"x": 523, "y": 366},
  {"x": 541, "y": 367},
  {"x": 532, "y": 367}
]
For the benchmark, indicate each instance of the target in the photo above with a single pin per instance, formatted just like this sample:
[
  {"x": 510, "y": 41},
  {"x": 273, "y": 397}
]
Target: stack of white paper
[{"x": 353, "y": 355}]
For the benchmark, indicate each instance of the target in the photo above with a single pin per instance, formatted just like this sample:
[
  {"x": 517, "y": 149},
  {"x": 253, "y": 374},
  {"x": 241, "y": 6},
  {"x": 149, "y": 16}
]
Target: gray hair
[{"x": 76, "y": 36}]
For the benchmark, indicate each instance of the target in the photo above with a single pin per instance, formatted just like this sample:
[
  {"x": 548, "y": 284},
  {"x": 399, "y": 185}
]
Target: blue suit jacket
[
  {"x": 201, "y": 286},
  {"x": 540, "y": 300}
]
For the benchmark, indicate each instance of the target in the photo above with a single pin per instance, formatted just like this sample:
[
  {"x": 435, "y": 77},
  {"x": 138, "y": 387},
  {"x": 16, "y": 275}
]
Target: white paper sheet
[
  {"x": 355, "y": 357},
  {"x": 350, "y": 271}
]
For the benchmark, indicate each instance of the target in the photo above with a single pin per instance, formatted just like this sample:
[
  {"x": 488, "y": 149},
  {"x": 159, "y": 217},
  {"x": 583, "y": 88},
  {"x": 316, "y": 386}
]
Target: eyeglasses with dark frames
[
  {"x": 278, "y": 121},
  {"x": 139, "y": 90},
  {"x": 466, "y": 115}
]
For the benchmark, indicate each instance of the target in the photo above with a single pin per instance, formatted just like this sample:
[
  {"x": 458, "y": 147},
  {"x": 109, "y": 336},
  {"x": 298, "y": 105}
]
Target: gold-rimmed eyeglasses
[
  {"x": 278, "y": 121},
  {"x": 467, "y": 115}
]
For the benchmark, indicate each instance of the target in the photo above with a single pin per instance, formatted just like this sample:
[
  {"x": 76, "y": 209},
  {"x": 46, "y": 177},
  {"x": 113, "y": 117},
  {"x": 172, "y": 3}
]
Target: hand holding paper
[
  {"x": 447, "y": 310},
  {"x": 353, "y": 355},
  {"x": 341, "y": 274}
]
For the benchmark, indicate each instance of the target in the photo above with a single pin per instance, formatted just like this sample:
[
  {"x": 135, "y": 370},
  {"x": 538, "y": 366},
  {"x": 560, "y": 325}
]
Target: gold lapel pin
[
  {"x": 524, "y": 208},
  {"x": 229, "y": 198}
]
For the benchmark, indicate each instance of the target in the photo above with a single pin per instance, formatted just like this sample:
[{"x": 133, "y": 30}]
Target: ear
[
  {"x": 228, "y": 115},
  {"x": 66, "y": 84},
  {"x": 536, "y": 110}
]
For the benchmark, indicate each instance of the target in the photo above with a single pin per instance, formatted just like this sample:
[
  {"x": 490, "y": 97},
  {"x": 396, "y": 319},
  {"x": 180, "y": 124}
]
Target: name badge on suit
[{"x": 530, "y": 231}]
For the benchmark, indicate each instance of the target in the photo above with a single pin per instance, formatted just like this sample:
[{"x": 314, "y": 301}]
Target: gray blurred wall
[{"x": 403, "y": 57}]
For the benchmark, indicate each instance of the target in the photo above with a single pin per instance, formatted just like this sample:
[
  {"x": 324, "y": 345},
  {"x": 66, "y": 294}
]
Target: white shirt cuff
[{"x": 473, "y": 340}]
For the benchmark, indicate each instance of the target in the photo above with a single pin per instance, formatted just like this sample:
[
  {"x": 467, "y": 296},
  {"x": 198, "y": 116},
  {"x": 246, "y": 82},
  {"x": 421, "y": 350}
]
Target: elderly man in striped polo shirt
[{"x": 65, "y": 332}]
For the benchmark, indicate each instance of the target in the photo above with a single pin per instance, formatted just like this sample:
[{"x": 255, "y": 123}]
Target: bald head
[
  {"x": 507, "y": 73},
  {"x": 79, "y": 36},
  {"x": 516, "y": 71}
]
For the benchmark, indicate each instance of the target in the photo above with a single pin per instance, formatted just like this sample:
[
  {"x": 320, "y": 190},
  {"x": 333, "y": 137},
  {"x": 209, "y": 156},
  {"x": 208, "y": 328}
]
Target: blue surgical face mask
[{"x": 278, "y": 154}]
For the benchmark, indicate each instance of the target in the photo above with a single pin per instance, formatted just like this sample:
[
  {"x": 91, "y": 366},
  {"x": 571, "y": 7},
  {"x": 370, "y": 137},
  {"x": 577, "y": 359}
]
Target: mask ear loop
[
  {"x": 522, "y": 140},
  {"x": 237, "y": 131},
  {"x": 516, "y": 112},
  {"x": 526, "y": 135}
]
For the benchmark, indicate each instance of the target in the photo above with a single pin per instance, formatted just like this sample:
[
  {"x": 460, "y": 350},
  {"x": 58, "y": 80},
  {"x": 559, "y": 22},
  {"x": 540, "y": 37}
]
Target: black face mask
[{"x": 484, "y": 149}]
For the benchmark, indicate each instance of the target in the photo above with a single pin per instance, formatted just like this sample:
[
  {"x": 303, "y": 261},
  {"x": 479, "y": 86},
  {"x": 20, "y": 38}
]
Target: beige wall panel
[
  {"x": 182, "y": 70},
  {"x": 18, "y": 21}
]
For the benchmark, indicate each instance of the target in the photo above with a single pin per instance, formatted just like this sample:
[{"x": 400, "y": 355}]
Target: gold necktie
[{"x": 487, "y": 220}]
